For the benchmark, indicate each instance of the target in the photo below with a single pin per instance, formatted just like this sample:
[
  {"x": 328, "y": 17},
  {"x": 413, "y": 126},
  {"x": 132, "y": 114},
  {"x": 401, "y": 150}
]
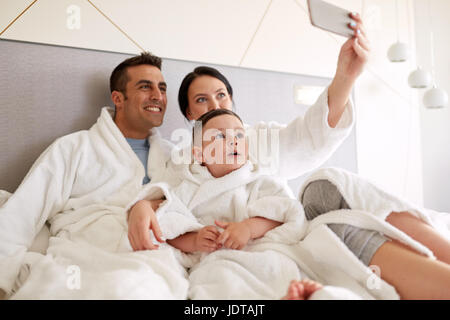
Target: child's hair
[{"x": 203, "y": 120}]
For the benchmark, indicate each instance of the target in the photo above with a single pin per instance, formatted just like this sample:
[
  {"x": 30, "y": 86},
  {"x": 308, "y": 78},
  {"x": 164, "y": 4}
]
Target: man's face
[{"x": 144, "y": 102}]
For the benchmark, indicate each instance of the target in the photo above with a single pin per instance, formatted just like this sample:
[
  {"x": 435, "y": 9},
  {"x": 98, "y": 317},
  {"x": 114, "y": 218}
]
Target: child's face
[{"x": 224, "y": 145}]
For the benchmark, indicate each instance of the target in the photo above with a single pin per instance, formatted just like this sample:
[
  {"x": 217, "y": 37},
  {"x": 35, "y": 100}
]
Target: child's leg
[
  {"x": 423, "y": 233},
  {"x": 414, "y": 276},
  {"x": 311, "y": 290},
  {"x": 301, "y": 290}
]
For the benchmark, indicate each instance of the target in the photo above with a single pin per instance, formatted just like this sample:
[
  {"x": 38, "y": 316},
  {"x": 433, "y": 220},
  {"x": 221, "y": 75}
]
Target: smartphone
[{"x": 329, "y": 17}]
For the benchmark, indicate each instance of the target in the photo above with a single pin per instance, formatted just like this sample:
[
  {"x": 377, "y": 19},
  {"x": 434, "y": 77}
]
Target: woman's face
[{"x": 207, "y": 93}]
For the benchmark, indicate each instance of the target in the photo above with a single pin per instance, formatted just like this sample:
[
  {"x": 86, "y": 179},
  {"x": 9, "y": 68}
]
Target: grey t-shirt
[{"x": 141, "y": 147}]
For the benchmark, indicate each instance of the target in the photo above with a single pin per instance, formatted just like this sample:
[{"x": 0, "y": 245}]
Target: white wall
[
  {"x": 388, "y": 131},
  {"x": 262, "y": 34},
  {"x": 435, "y": 123},
  {"x": 400, "y": 145}
]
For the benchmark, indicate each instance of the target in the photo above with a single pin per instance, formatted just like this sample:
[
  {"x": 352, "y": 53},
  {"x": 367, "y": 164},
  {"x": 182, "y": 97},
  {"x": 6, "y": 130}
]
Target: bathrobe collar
[
  {"x": 117, "y": 142},
  {"x": 210, "y": 187}
]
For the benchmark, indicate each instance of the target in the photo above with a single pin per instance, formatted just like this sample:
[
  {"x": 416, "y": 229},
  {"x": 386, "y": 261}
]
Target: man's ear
[
  {"x": 117, "y": 98},
  {"x": 197, "y": 153}
]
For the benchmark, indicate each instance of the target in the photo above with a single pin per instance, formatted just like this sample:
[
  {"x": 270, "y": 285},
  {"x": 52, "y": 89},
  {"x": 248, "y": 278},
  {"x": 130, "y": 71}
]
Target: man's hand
[
  {"x": 141, "y": 218},
  {"x": 236, "y": 235},
  {"x": 206, "y": 239}
]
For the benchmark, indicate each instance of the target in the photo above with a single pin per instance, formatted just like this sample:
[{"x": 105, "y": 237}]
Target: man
[{"x": 81, "y": 185}]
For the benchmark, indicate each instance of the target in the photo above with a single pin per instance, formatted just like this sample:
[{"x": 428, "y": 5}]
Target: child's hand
[
  {"x": 206, "y": 239},
  {"x": 235, "y": 235}
]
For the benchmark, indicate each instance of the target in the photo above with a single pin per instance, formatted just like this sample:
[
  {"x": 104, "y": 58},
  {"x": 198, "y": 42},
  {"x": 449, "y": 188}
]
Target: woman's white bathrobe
[
  {"x": 82, "y": 184},
  {"x": 370, "y": 205}
]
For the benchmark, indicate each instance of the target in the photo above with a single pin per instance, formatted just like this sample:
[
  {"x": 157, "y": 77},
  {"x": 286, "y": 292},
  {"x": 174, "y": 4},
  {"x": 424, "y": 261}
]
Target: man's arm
[{"x": 41, "y": 195}]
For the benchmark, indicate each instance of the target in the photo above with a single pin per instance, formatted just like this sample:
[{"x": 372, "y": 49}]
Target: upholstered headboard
[{"x": 48, "y": 91}]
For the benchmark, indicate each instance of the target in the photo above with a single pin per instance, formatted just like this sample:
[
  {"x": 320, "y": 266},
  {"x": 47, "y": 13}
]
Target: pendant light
[
  {"x": 435, "y": 98},
  {"x": 399, "y": 51},
  {"x": 419, "y": 79}
]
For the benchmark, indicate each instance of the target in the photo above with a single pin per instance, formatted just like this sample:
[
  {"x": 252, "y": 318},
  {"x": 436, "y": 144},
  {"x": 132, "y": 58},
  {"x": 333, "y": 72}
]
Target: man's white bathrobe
[{"x": 81, "y": 186}]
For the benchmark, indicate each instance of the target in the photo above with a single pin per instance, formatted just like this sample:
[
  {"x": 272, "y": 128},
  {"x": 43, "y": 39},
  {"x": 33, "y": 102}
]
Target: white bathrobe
[
  {"x": 327, "y": 256},
  {"x": 256, "y": 271},
  {"x": 82, "y": 184},
  {"x": 263, "y": 269}
]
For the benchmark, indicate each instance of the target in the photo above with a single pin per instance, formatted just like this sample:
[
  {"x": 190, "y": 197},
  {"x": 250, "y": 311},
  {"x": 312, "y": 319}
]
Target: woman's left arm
[{"x": 353, "y": 56}]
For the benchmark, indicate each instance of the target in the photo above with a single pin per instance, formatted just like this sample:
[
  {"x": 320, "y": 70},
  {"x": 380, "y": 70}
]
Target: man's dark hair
[
  {"x": 119, "y": 76},
  {"x": 186, "y": 83}
]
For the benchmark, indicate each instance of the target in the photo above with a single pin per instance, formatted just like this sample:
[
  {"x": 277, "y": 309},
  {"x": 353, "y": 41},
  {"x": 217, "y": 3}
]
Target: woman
[{"x": 206, "y": 89}]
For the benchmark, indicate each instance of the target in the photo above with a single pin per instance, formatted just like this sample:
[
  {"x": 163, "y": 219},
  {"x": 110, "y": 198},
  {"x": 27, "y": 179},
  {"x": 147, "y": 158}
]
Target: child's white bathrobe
[
  {"x": 256, "y": 271},
  {"x": 81, "y": 186}
]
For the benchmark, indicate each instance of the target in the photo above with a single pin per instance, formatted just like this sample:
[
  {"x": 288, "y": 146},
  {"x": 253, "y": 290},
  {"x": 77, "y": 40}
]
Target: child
[{"x": 222, "y": 190}]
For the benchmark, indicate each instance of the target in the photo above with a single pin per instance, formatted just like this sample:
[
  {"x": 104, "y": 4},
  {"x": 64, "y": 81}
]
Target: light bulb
[
  {"x": 419, "y": 78},
  {"x": 435, "y": 98},
  {"x": 398, "y": 52}
]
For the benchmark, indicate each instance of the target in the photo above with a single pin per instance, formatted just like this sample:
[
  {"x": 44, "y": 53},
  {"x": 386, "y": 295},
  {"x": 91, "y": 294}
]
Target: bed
[{"x": 50, "y": 91}]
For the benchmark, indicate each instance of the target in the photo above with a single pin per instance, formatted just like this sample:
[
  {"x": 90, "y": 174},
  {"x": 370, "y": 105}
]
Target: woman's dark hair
[
  {"x": 203, "y": 120},
  {"x": 186, "y": 83}
]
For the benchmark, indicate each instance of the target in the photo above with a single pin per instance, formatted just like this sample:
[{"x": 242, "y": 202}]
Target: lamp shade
[
  {"x": 398, "y": 52},
  {"x": 435, "y": 98},
  {"x": 419, "y": 78}
]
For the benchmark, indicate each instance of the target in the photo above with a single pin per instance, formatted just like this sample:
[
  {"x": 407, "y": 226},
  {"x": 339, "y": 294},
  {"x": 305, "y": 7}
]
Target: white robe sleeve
[
  {"x": 271, "y": 199},
  {"x": 301, "y": 146},
  {"x": 174, "y": 218},
  {"x": 40, "y": 196}
]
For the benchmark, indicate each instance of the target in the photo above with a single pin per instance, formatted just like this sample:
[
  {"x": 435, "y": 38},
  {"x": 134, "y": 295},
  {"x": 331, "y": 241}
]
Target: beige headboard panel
[{"x": 48, "y": 91}]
